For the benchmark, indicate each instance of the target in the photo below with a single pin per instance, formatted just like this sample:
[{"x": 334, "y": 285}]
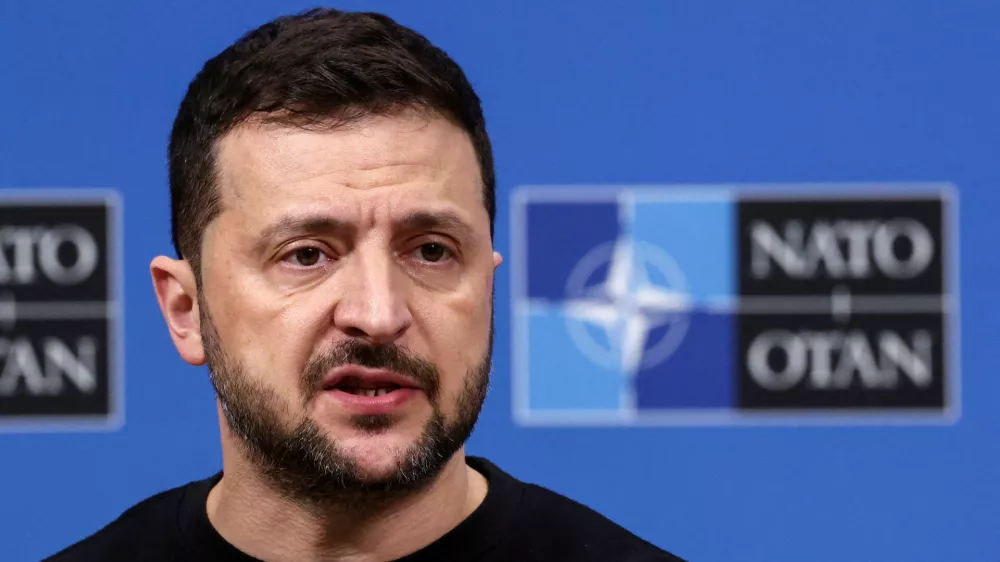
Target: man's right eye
[{"x": 305, "y": 257}]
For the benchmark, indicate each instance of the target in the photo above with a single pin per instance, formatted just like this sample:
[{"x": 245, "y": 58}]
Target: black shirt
[{"x": 516, "y": 522}]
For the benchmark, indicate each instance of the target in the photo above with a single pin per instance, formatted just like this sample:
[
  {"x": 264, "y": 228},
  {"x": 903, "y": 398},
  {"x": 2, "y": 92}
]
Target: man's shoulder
[
  {"x": 546, "y": 525},
  {"x": 565, "y": 523},
  {"x": 149, "y": 527}
]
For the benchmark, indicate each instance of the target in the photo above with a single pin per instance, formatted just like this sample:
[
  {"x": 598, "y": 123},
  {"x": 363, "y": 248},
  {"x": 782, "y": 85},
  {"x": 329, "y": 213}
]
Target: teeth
[{"x": 356, "y": 390}]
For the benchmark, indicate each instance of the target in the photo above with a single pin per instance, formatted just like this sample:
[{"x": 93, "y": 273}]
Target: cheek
[
  {"x": 272, "y": 339},
  {"x": 458, "y": 332}
]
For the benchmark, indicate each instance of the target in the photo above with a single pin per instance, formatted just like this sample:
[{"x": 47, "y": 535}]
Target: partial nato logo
[
  {"x": 59, "y": 317},
  {"x": 728, "y": 305}
]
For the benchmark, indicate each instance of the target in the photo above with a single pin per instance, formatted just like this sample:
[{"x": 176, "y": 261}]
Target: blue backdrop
[{"x": 589, "y": 92}]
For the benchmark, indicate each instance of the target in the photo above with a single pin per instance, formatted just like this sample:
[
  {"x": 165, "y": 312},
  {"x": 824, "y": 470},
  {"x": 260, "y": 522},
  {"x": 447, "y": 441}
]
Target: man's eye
[
  {"x": 306, "y": 257},
  {"x": 433, "y": 252}
]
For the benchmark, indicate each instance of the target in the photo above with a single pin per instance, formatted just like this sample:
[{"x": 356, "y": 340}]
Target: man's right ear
[{"x": 177, "y": 293}]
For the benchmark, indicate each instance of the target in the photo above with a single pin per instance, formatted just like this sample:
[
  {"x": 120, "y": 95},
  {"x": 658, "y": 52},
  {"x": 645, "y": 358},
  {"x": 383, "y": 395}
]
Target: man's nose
[{"x": 375, "y": 304}]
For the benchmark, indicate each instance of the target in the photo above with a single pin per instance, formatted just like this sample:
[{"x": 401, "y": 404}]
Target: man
[{"x": 333, "y": 200}]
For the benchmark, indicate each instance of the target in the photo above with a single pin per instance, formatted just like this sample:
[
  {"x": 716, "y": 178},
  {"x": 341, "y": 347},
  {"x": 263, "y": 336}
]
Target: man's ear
[
  {"x": 497, "y": 260},
  {"x": 177, "y": 293}
]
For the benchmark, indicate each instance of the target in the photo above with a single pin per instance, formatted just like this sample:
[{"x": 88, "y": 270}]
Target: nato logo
[{"x": 730, "y": 305}]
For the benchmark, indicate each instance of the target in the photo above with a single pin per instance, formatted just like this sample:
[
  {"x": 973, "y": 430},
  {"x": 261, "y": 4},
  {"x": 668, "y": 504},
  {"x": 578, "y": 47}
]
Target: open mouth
[
  {"x": 364, "y": 391},
  {"x": 359, "y": 388}
]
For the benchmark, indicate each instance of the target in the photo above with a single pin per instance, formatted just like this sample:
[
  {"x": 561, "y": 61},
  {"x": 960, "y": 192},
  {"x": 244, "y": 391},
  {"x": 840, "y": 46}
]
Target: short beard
[{"x": 310, "y": 469}]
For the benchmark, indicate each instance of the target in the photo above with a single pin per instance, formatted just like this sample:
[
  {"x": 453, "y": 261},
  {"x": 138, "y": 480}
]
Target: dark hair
[{"x": 322, "y": 67}]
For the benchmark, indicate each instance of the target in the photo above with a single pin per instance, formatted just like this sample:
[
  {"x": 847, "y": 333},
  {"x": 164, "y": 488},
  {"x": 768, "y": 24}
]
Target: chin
[
  {"x": 376, "y": 461},
  {"x": 376, "y": 446}
]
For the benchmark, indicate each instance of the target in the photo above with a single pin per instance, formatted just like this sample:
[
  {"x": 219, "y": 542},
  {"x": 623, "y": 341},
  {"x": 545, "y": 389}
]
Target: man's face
[{"x": 347, "y": 295}]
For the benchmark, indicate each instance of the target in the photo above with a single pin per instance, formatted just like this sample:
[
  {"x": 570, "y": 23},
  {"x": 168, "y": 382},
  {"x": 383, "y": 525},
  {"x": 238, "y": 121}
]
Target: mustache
[{"x": 391, "y": 357}]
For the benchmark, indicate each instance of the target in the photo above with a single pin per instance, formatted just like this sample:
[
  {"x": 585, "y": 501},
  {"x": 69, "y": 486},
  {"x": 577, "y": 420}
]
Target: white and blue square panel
[{"x": 622, "y": 304}]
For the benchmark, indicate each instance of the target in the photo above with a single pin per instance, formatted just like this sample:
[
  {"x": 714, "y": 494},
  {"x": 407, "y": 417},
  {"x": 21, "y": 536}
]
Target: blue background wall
[{"x": 663, "y": 91}]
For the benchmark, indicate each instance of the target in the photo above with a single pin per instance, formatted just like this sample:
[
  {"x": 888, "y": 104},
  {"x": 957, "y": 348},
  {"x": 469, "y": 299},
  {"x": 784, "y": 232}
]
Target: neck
[{"x": 261, "y": 522}]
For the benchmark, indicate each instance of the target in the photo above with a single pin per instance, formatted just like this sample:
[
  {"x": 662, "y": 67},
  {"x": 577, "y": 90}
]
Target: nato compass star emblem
[{"x": 627, "y": 306}]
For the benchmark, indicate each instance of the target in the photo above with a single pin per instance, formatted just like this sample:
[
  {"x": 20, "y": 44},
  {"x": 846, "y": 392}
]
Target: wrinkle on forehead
[
  {"x": 259, "y": 158},
  {"x": 369, "y": 174}
]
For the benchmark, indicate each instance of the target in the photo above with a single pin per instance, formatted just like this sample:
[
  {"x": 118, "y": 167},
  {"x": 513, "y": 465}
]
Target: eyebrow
[
  {"x": 447, "y": 221},
  {"x": 291, "y": 225},
  {"x": 443, "y": 220}
]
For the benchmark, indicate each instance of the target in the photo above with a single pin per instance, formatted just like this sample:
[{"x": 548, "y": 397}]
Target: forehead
[{"x": 403, "y": 161}]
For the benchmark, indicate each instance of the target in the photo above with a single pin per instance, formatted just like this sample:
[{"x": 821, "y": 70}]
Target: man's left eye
[{"x": 433, "y": 252}]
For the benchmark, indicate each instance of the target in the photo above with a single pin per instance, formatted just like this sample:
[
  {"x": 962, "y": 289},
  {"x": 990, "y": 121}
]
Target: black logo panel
[
  {"x": 871, "y": 247},
  {"x": 870, "y": 361},
  {"x": 57, "y": 310},
  {"x": 842, "y": 304},
  {"x": 55, "y": 369}
]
